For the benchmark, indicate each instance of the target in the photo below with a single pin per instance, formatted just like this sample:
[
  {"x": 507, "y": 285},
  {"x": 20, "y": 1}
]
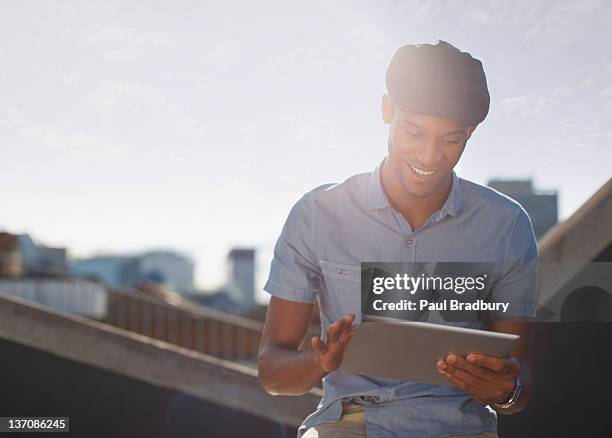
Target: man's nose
[{"x": 429, "y": 154}]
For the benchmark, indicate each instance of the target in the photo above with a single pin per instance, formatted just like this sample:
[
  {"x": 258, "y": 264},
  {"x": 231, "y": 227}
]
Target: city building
[
  {"x": 105, "y": 269},
  {"x": 41, "y": 260},
  {"x": 126, "y": 271},
  {"x": 241, "y": 276},
  {"x": 167, "y": 267},
  {"x": 10, "y": 256},
  {"x": 541, "y": 206}
]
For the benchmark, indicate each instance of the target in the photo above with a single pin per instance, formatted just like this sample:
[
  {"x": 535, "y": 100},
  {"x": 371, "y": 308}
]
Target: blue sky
[{"x": 133, "y": 125}]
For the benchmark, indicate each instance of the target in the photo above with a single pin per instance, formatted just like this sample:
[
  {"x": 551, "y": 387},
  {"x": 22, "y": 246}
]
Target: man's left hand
[{"x": 489, "y": 379}]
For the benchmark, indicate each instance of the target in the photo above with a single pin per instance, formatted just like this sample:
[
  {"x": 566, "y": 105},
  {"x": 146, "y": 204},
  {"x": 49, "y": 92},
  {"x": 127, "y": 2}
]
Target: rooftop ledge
[{"x": 140, "y": 357}]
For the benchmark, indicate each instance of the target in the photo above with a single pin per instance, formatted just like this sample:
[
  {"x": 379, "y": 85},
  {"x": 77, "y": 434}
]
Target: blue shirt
[{"x": 335, "y": 227}]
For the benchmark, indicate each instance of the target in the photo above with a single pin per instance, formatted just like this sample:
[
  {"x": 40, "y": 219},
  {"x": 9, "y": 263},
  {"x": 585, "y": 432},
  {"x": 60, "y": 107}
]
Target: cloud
[
  {"x": 69, "y": 79},
  {"x": 606, "y": 93},
  {"x": 564, "y": 90},
  {"x": 594, "y": 129},
  {"x": 249, "y": 133},
  {"x": 561, "y": 22},
  {"x": 73, "y": 146},
  {"x": 309, "y": 128},
  {"x": 522, "y": 107},
  {"x": 224, "y": 55},
  {"x": 109, "y": 95},
  {"x": 10, "y": 115},
  {"x": 417, "y": 11},
  {"x": 588, "y": 80},
  {"x": 480, "y": 16},
  {"x": 86, "y": 7},
  {"x": 512, "y": 103},
  {"x": 154, "y": 104},
  {"x": 367, "y": 33},
  {"x": 125, "y": 43}
]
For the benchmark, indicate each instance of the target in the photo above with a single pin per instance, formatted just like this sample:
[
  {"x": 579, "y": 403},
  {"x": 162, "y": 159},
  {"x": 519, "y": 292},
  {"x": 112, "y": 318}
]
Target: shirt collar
[
  {"x": 377, "y": 198},
  {"x": 452, "y": 205}
]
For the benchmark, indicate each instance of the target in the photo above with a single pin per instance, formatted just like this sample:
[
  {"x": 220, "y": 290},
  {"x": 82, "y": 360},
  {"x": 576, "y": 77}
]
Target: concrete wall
[
  {"x": 222, "y": 383},
  {"x": 106, "y": 404}
]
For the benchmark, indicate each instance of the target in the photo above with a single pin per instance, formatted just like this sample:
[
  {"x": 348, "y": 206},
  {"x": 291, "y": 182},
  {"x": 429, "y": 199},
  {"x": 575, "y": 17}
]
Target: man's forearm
[{"x": 289, "y": 372}]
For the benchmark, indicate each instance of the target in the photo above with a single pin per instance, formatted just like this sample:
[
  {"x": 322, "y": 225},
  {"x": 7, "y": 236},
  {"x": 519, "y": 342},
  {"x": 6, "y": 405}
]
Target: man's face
[{"x": 423, "y": 149}]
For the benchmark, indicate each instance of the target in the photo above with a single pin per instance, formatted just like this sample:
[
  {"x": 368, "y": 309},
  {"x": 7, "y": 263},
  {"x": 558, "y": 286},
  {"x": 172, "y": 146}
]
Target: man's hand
[
  {"x": 489, "y": 379},
  {"x": 339, "y": 334}
]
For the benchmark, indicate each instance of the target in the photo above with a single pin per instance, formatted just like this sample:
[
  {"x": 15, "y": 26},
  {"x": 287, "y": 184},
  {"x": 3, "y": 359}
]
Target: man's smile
[{"x": 422, "y": 172}]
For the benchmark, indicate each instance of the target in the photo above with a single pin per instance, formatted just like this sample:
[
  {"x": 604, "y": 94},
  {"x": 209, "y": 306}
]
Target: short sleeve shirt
[{"x": 335, "y": 227}]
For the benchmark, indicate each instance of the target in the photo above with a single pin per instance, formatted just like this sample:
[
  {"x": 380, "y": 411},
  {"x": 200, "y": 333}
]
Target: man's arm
[
  {"x": 492, "y": 379},
  {"x": 522, "y": 353},
  {"x": 283, "y": 370}
]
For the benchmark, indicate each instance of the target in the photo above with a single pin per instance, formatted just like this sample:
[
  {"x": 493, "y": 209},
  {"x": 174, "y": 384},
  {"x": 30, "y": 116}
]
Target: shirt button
[
  {"x": 341, "y": 271},
  {"x": 410, "y": 242}
]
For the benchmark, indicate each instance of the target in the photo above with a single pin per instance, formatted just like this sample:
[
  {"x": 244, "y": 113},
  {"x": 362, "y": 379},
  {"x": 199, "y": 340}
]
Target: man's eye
[{"x": 453, "y": 140}]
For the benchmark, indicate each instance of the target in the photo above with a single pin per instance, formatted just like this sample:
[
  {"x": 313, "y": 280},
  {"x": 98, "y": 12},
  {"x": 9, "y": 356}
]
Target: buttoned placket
[{"x": 409, "y": 251}]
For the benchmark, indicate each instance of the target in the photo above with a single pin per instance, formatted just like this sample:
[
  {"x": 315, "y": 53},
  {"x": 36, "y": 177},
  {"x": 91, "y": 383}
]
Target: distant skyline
[{"x": 131, "y": 126}]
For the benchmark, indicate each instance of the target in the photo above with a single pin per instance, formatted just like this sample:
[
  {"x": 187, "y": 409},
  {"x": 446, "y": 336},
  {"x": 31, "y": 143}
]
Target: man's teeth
[{"x": 422, "y": 172}]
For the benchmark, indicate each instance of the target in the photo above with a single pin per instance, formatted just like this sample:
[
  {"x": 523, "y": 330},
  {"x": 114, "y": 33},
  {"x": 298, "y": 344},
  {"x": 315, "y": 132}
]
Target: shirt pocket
[{"x": 343, "y": 289}]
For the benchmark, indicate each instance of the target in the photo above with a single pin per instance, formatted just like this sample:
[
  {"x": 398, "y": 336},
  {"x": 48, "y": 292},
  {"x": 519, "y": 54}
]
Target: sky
[{"x": 195, "y": 126}]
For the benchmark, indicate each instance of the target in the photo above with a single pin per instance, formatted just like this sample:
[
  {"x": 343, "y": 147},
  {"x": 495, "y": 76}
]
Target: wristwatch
[{"x": 513, "y": 398}]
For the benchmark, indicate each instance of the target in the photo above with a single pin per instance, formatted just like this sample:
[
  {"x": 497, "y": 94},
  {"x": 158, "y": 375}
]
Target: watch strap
[{"x": 513, "y": 398}]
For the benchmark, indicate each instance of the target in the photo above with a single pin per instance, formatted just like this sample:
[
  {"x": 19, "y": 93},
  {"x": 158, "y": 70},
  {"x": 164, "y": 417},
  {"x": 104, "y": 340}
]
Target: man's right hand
[
  {"x": 329, "y": 355},
  {"x": 283, "y": 369}
]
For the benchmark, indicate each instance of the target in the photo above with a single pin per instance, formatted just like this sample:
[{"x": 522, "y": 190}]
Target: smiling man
[{"x": 411, "y": 208}]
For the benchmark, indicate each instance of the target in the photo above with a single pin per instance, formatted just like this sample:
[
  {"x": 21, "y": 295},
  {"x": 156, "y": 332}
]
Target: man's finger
[
  {"x": 317, "y": 344},
  {"x": 475, "y": 370},
  {"x": 481, "y": 389},
  {"x": 341, "y": 341},
  {"x": 333, "y": 331},
  {"x": 349, "y": 318},
  {"x": 464, "y": 376},
  {"x": 497, "y": 364},
  {"x": 339, "y": 334},
  {"x": 346, "y": 336},
  {"x": 346, "y": 332},
  {"x": 459, "y": 382},
  {"x": 455, "y": 381}
]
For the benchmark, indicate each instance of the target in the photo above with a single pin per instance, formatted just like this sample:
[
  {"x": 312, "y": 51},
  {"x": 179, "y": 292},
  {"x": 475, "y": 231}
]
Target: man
[{"x": 411, "y": 208}]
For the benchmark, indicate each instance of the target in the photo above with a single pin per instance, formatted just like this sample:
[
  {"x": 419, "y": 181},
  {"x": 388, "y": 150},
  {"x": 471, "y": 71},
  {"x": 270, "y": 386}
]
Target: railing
[
  {"x": 70, "y": 295},
  {"x": 187, "y": 325},
  {"x": 181, "y": 322}
]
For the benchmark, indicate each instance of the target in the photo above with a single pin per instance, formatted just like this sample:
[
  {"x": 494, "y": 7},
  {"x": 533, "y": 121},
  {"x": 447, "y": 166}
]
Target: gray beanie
[{"x": 439, "y": 80}]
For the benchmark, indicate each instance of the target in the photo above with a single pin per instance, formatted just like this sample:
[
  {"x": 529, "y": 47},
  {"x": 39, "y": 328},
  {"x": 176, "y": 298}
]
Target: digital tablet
[{"x": 407, "y": 350}]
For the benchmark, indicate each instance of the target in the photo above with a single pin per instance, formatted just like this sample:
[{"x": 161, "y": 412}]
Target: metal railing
[
  {"x": 172, "y": 319},
  {"x": 187, "y": 325}
]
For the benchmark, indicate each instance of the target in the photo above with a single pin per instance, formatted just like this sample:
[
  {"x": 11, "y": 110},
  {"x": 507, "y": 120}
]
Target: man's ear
[
  {"x": 387, "y": 109},
  {"x": 470, "y": 130}
]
